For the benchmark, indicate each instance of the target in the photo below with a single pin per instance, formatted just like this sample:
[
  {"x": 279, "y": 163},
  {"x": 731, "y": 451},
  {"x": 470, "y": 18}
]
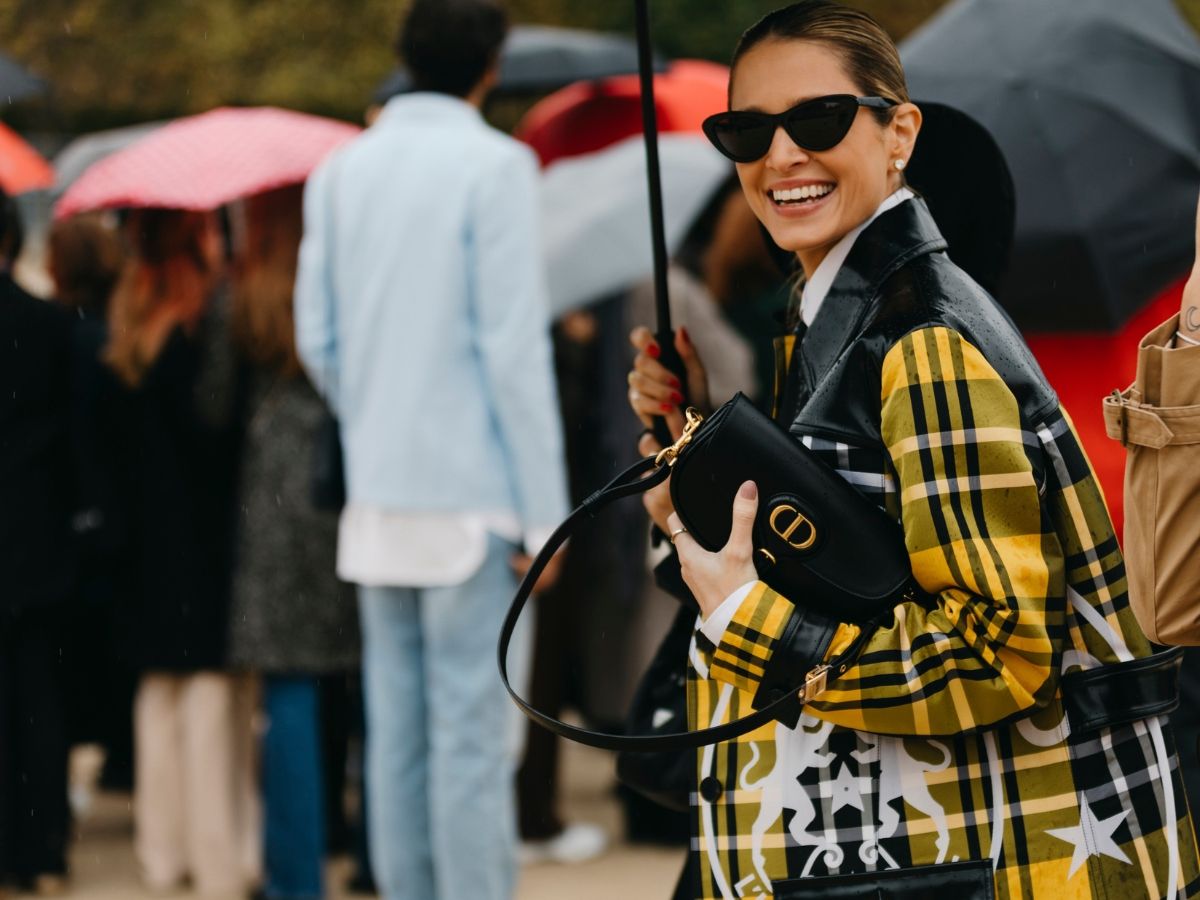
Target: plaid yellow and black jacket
[{"x": 949, "y": 739}]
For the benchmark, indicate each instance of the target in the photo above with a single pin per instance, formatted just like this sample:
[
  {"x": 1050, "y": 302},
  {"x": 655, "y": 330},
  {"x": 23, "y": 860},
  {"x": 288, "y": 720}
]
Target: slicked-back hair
[
  {"x": 448, "y": 45},
  {"x": 868, "y": 53}
]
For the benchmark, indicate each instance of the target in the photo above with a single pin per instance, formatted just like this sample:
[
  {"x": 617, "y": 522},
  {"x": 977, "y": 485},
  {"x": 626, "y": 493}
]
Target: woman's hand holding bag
[{"x": 712, "y": 577}]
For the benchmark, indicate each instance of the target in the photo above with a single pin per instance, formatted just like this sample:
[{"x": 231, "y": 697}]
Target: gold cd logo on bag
[{"x": 786, "y": 520}]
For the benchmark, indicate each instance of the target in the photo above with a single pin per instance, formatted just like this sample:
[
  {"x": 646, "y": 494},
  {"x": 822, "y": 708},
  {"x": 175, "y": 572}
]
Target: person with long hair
[
  {"x": 84, "y": 257},
  {"x": 169, "y": 345},
  {"x": 291, "y": 619},
  {"x": 1002, "y": 732}
]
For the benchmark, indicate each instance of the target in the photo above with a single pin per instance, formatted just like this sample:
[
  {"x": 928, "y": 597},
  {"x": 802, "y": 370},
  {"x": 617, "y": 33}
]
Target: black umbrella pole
[{"x": 658, "y": 236}]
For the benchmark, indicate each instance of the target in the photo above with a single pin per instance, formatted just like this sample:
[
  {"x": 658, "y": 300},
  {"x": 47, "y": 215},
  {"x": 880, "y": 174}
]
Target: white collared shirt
[
  {"x": 817, "y": 287},
  {"x": 811, "y": 300}
]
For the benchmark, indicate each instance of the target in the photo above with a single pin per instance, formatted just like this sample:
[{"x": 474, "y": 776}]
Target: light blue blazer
[{"x": 421, "y": 314}]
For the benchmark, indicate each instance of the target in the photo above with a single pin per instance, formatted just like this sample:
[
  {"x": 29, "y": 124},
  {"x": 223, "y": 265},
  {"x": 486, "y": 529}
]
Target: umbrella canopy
[
  {"x": 204, "y": 161},
  {"x": 585, "y": 117},
  {"x": 962, "y": 174},
  {"x": 16, "y": 83},
  {"x": 1083, "y": 368},
  {"x": 1094, "y": 104},
  {"x": 595, "y": 213},
  {"x": 540, "y": 58},
  {"x": 84, "y": 151},
  {"x": 21, "y": 167}
]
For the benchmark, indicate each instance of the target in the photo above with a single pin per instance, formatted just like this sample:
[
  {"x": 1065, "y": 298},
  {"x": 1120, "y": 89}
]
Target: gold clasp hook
[{"x": 670, "y": 454}]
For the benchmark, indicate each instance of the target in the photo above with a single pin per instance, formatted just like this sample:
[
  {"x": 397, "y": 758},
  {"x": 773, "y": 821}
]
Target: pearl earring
[{"x": 899, "y": 164}]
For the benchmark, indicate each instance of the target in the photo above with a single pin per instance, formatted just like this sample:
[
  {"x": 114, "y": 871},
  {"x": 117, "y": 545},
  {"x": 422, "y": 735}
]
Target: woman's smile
[{"x": 797, "y": 197}]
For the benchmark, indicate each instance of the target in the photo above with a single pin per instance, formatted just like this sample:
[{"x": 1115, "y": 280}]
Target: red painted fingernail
[
  {"x": 667, "y": 407},
  {"x": 677, "y": 398},
  {"x": 684, "y": 334},
  {"x": 654, "y": 351},
  {"x": 674, "y": 382}
]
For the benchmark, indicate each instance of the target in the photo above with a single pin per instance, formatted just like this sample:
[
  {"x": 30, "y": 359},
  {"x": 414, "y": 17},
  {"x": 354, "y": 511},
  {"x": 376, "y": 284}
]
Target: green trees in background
[{"x": 118, "y": 61}]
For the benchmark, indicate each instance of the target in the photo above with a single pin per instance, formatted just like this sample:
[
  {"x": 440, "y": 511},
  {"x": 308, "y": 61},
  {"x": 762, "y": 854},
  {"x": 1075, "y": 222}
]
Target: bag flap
[{"x": 808, "y": 515}]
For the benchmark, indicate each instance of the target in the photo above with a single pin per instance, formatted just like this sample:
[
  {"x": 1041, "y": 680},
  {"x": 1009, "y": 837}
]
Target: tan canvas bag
[{"x": 1158, "y": 421}]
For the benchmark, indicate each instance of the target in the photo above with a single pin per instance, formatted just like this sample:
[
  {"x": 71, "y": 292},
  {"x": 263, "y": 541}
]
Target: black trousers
[
  {"x": 33, "y": 748},
  {"x": 537, "y": 779}
]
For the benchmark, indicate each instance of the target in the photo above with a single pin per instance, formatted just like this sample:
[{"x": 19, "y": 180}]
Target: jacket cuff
[
  {"x": 750, "y": 640},
  {"x": 803, "y": 645}
]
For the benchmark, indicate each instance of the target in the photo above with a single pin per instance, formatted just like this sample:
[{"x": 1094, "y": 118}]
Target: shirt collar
[
  {"x": 427, "y": 104},
  {"x": 817, "y": 287}
]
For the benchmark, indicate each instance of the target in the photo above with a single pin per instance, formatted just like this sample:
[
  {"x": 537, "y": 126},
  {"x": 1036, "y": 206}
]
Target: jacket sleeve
[
  {"x": 316, "y": 335},
  {"x": 511, "y": 323},
  {"x": 983, "y": 645}
]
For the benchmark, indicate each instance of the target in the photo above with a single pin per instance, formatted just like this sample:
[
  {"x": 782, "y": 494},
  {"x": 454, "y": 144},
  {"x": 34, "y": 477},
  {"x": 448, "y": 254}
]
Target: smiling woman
[{"x": 975, "y": 744}]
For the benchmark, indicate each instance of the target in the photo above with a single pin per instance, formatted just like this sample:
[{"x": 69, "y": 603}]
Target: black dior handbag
[{"x": 818, "y": 541}]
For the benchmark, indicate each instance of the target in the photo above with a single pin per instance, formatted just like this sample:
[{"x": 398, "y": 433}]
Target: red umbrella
[
  {"x": 589, "y": 115},
  {"x": 204, "y": 161},
  {"x": 1084, "y": 368},
  {"x": 21, "y": 167}
]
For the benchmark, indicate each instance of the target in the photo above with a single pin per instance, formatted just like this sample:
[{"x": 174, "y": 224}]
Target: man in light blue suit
[{"x": 421, "y": 316}]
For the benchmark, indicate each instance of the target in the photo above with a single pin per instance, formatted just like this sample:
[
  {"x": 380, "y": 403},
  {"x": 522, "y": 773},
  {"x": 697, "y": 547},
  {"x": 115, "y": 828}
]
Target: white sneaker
[{"x": 574, "y": 844}]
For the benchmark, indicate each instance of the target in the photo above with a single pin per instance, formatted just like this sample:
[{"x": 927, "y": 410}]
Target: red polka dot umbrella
[
  {"x": 21, "y": 168},
  {"x": 203, "y": 161}
]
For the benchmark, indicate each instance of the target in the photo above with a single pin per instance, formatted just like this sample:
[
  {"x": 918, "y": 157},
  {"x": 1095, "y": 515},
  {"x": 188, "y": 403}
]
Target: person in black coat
[
  {"x": 35, "y": 367},
  {"x": 84, "y": 256},
  {"x": 168, "y": 342}
]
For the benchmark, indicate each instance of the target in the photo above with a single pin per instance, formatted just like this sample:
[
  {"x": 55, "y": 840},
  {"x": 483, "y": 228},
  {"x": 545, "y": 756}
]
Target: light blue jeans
[{"x": 440, "y": 749}]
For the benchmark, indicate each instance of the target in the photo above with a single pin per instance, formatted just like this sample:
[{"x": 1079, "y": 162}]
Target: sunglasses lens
[
  {"x": 820, "y": 124},
  {"x": 742, "y": 137}
]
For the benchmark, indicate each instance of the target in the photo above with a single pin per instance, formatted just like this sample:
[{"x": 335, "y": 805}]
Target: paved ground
[{"x": 103, "y": 867}]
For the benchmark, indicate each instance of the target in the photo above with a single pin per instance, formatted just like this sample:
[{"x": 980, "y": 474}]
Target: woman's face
[{"x": 856, "y": 175}]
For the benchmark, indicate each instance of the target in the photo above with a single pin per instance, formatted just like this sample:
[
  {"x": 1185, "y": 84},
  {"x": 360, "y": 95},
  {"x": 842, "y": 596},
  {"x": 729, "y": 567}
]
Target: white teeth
[{"x": 807, "y": 192}]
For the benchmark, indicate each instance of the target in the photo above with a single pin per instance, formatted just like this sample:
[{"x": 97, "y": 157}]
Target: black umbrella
[
  {"x": 1096, "y": 105},
  {"x": 540, "y": 58},
  {"x": 962, "y": 174},
  {"x": 16, "y": 83},
  {"x": 663, "y": 332}
]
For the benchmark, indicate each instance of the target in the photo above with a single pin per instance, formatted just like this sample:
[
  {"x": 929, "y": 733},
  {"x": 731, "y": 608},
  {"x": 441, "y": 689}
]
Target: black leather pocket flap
[
  {"x": 961, "y": 881},
  {"x": 1119, "y": 693}
]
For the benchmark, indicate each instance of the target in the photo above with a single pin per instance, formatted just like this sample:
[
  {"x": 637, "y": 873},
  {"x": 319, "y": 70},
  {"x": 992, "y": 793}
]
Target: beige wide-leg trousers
[{"x": 195, "y": 805}]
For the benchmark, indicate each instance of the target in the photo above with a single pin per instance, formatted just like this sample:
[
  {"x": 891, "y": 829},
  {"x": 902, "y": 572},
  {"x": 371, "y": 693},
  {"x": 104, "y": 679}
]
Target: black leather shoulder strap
[{"x": 637, "y": 479}]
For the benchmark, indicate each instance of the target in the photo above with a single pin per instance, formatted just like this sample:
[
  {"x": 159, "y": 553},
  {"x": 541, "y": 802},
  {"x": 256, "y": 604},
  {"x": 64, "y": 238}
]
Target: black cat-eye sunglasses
[{"x": 817, "y": 124}]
